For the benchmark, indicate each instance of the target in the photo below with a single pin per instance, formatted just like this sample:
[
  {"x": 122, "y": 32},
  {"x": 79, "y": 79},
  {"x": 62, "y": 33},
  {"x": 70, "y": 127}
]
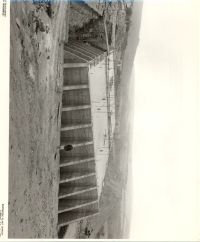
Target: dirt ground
[{"x": 37, "y": 34}]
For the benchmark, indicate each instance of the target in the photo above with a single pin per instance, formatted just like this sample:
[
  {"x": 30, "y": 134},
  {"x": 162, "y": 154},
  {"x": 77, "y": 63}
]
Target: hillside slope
[{"x": 35, "y": 101}]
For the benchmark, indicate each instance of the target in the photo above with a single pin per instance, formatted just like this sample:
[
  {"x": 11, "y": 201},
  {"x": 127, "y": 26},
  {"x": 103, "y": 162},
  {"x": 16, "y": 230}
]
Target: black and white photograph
[
  {"x": 69, "y": 142},
  {"x": 100, "y": 111}
]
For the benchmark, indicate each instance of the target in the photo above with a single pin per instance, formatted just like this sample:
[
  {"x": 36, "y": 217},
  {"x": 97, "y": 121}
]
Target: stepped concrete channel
[{"x": 85, "y": 134}]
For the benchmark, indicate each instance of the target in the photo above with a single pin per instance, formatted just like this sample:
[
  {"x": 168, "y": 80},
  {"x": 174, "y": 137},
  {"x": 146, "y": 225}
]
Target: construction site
[{"x": 69, "y": 136}]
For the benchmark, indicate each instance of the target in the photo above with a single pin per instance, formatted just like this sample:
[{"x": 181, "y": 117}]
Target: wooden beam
[
  {"x": 106, "y": 32},
  {"x": 74, "y": 162},
  {"x": 75, "y": 87},
  {"x": 76, "y": 176},
  {"x": 77, "y": 52},
  {"x": 84, "y": 49},
  {"x": 75, "y": 65},
  {"x": 71, "y": 205},
  {"x": 76, "y": 144},
  {"x": 83, "y": 189},
  {"x": 73, "y": 127},
  {"x": 71, "y": 108},
  {"x": 90, "y": 47}
]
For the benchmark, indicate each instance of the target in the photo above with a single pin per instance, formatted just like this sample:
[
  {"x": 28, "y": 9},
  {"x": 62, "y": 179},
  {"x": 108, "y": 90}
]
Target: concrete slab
[{"x": 99, "y": 109}]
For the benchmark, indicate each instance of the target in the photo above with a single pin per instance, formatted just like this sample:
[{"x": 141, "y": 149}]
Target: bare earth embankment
[{"x": 35, "y": 101}]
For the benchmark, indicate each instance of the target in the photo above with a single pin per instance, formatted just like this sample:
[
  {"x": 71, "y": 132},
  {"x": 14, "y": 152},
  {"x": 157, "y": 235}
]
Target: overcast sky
[{"x": 166, "y": 114}]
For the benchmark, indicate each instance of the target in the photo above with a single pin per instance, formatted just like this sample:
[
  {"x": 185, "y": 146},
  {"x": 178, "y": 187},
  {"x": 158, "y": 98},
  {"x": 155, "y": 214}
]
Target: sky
[{"x": 166, "y": 115}]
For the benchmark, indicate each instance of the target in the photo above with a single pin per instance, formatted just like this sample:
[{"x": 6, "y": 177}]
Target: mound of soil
[{"x": 37, "y": 34}]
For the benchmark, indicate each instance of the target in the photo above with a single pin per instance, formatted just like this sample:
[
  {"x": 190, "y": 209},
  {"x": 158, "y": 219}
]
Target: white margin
[{"x": 4, "y": 113}]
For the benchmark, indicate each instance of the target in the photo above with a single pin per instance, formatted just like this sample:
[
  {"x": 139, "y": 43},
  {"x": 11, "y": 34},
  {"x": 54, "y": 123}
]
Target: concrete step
[
  {"x": 78, "y": 167},
  {"x": 88, "y": 195},
  {"x": 76, "y": 160},
  {"x": 70, "y": 190},
  {"x": 76, "y": 97},
  {"x": 76, "y": 107},
  {"x": 76, "y": 117},
  {"x": 66, "y": 218},
  {"x": 77, "y": 126},
  {"x": 79, "y": 135},
  {"x": 66, "y": 205},
  {"x": 77, "y": 186},
  {"x": 63, "y": 221},
  {"x": 81, "y": 151},
  {"x": 75, "y": 74},
  {"x": 75, "y": 175},
  {"x": 75, "y": 87}
]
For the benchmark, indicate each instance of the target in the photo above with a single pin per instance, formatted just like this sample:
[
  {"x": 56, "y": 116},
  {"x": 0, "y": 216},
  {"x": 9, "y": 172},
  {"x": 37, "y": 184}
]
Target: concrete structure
[{"x": 87, "y": 124}]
